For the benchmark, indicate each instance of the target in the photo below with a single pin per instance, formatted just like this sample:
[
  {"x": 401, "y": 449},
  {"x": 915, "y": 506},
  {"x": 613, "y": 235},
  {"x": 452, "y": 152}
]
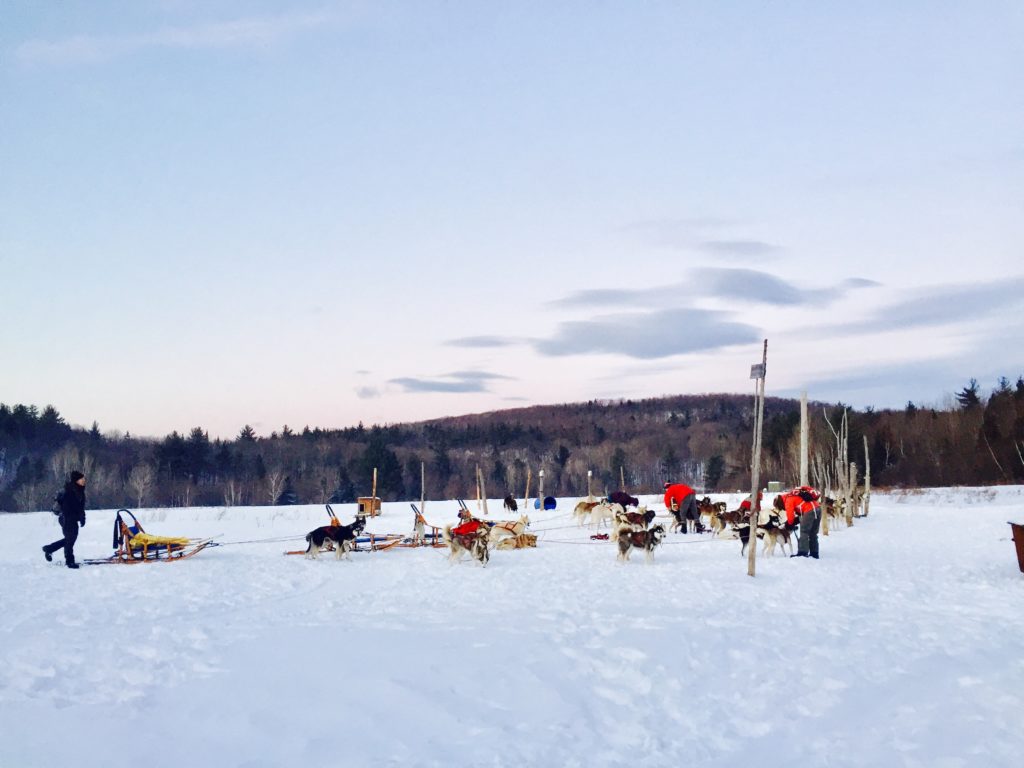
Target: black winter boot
[
  {"x": 73, "y": 565},
  {"x": 47, "y": 555}
]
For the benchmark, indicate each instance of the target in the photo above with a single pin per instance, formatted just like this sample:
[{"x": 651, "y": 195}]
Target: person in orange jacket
[
  {"x": 802, "y": 503},
  {"x": 681, "y": 501}
]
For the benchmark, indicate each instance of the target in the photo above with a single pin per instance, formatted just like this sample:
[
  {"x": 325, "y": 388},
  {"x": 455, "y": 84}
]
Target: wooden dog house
[{"x": 368, "y": 506}]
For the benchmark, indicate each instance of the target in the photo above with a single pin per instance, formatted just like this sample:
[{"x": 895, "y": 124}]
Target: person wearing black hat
[{"x": 72, "y": 516}]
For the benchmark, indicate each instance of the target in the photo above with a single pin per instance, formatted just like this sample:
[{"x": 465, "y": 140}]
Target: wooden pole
[
  {"x": 373, "y": 493},
  {"x": 423, "y": 488},
  {"x": 477, "y": 479},
  {"x": 755, "y": 480},
  {"x": 483, "y": 489},
  {"x": 622, "y": 478},
  {"x": 867, "y": 477},
  {"x": 540, "y": 489},
  {"x": 590, "y": 493},
  {"x": 804, "y": 441},
  {"x": 526, "y": 493}
]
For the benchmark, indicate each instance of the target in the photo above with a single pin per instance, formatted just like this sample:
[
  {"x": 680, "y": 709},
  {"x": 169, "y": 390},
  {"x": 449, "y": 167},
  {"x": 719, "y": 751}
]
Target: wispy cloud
[
  {"x": 942, "y": 305},
  {"x": 483, "y": 342},
  {"x": 236, "y": 33},
  {"x": 739, "y": 249},
  {"x": 367, "y": 393},
  {"x": 746, "y": 285},
  {"x": 648, "y": 335},
  {"x": 457, "y": 381}
]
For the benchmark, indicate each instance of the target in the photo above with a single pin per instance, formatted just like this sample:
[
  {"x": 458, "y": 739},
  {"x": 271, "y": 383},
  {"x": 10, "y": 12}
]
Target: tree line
[{"x": 975, "y": 438}]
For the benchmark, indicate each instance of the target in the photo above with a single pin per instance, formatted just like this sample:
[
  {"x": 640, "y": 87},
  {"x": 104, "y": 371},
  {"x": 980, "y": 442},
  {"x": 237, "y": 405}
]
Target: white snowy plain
[{"x": 901, "y": 646}]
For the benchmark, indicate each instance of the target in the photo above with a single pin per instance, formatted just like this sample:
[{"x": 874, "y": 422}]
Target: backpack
[{"x": 58, "y": 503}]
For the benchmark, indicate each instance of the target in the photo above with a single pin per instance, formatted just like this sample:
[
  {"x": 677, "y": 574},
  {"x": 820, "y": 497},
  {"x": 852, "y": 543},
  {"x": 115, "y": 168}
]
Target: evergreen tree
[
  {"x": 670, "y": 464},
  {"x": 562, "y": 456},
  {"x": 968, "y": 396},
  {"x": 288, "y": 495},
  {"x": 247, "y": 435},
  {"x": 713, "y": 472},
  {"x": 389, "y": 471},
  {"x": 197, "y": 454},
  {"x": 345, "y": 493}
]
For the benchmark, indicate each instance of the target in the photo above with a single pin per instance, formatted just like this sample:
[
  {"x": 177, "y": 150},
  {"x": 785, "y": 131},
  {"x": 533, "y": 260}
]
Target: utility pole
[{"x": 757, "y": 372}]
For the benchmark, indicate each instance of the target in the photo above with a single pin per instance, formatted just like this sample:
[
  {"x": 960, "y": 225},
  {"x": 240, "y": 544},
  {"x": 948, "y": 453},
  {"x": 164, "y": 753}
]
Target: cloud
[
  {"x": 732, "y": 283},
  {"x": 675, "y": 233},
  {"x": 367, "y": 393},
  {"x": 943, "y": 305},
  {"x": 609, "y": 298},
  {"x": 483, "y": 342},
  {"x": 739, "y": 249},
  {"x": 237, "y": 33},
  {"x": 457, "y": 381},
  {"x": 649, "y": 335}
]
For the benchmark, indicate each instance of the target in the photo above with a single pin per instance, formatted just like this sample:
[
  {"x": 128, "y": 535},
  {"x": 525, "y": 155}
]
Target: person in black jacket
[{"x": 72, "y": 516}]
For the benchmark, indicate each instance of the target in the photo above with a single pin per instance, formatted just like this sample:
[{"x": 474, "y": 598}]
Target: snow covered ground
[{"x": 900, "y": 647}]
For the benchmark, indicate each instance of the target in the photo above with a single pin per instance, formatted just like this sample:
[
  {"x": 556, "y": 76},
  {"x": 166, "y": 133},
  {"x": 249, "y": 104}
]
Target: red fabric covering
[{"x": 467, "y": 528}]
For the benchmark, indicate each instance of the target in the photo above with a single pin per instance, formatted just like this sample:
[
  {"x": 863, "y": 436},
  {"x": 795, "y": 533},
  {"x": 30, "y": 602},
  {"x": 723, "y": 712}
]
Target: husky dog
[
  {"x": 468, "y": 538},
  {"x": 342, "y": 537},
  {"x": 645, "y": 540}
]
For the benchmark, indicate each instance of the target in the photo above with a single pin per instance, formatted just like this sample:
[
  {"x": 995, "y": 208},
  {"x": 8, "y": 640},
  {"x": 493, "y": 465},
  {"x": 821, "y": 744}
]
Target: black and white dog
[{"x": 343, "y": 537}]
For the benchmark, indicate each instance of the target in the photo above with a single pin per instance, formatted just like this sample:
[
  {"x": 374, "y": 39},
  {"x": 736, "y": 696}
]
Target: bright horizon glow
[{"x": 214, "y": 214}]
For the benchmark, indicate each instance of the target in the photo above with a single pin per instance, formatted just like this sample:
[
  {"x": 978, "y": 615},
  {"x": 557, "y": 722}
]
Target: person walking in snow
[
  {"x": 681, "y": 501},
  {"x": 71, "y": 518}
]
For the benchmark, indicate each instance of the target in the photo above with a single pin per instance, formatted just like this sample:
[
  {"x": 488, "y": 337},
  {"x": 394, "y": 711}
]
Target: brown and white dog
[
  {"x": 342, "y": 537},
  {"x": 504, "y": 529},
  {"x": 474, "y": 543},
  {"x": 645, "y": 540},
  {"x": 582, "y": 511}
]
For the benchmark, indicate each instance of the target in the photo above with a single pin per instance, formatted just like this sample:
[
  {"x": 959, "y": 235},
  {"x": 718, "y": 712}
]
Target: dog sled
[
  {"x": 380, "y": 542},
  {"x": 132, "y": 544}
]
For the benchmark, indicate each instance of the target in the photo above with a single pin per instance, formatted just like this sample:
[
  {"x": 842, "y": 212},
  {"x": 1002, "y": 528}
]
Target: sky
[{"x": 225, "y": 213}]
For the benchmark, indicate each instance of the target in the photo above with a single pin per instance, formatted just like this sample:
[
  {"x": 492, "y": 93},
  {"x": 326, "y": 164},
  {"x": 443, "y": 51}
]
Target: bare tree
[
  {"x": 232, "y": 492},
  {"x": 141, "y": 480},
  {"x": 275, "y": 484},
  {"x": 30, "y": 497}
]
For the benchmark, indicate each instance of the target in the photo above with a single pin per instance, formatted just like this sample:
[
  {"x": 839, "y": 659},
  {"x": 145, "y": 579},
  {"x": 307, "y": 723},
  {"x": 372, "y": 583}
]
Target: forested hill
[{"x": 705, "y": 440}]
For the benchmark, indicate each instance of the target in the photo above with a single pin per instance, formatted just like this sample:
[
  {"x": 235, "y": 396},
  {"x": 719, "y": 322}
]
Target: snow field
[{"x": 900, "y": 647}]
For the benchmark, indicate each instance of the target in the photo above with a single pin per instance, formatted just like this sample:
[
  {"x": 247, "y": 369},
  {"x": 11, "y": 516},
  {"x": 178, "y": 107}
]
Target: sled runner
[{"x": 133, "y": 545}]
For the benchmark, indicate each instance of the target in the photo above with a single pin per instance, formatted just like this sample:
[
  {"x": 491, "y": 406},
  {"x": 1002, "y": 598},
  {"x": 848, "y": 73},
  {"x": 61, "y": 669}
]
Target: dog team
[{"x": 629, "y": 521}]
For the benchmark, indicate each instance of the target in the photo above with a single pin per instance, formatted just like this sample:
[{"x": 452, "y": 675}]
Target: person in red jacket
[
  {"x": 745, "y": 504},
  {"x": 681, "y": 501},
  {"x": 802, "y": 503}
]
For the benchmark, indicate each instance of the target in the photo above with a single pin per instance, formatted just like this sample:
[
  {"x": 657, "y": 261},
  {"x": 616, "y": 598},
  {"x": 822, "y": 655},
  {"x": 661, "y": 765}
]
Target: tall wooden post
[
  {"x": 540, "y": 490},
  {"x": 804, "y": 441},
  {"x": 590, "y": 476},
  {"x": 622, "y": 478},
  {"x": 373, "y": 494},
  {"x": 757, "y": 372},
  {"x": 851, "y": 495},
  {"x": 423, "y": 488},
  {"x": 483, "y": 488},
  {"x": 526, "y": 493},
  {"x": 867, "y": 477}
]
